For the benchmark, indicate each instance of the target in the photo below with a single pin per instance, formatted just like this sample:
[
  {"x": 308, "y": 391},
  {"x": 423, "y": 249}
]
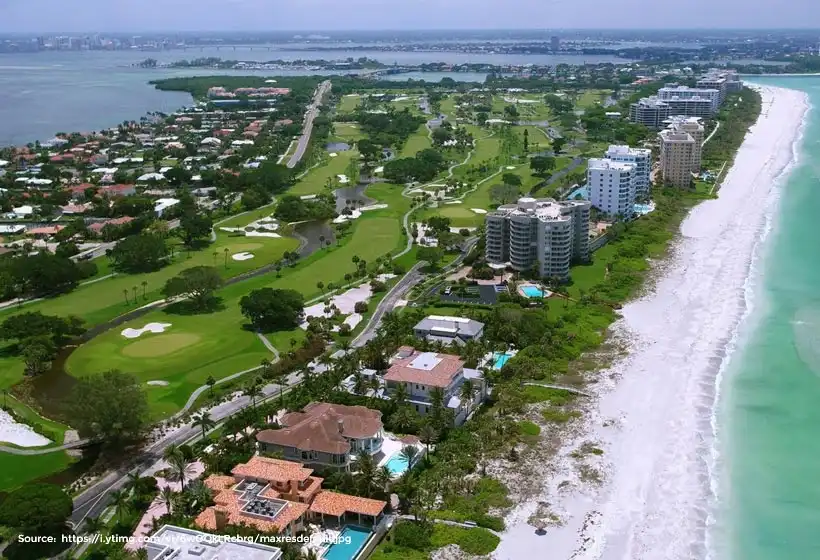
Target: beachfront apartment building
[
  {"x": 641, "y": 158},
  {"x": 650, "y": 112},
  {"x": 273, "y": 495},
  {"x": 681, "y": 146},
  {"x": 611, "y": 186},
  {"x": 325, "y": 436},
  {"x": 676, "y": 92},
  {"x": 543, "y": 231},
  {"x": 421, "y": 373}
]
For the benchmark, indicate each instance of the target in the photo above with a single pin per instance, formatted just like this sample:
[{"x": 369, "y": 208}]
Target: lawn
[
  {"x": 104, "y": 300},
  {"x": 591, "y": 98},
  {"x": 348, "y": 103},
  {"x": 16, "y": 470},
  {"x": 415, "y": 143},
  {"x": 197, "y": 346},
  {"x": 476, "y": 541},
  {"x": 317, "y": 179}
]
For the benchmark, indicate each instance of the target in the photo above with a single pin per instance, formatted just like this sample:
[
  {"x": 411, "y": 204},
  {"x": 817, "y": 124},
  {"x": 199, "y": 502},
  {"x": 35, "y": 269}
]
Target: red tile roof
[
  {"x": 324, "y": 427},
  {"x": 271, "y": 470},
  {"x": 333, "y": 503},
  {"x": 443, "y": 368}
]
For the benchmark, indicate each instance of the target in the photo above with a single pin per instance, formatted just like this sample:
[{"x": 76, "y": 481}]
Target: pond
[
  {"x": 50, "y": 388},
  {"x": 313, "y": 235},
  {"x": 351, "y": 197},
  {"x": 337, "y": 147}
]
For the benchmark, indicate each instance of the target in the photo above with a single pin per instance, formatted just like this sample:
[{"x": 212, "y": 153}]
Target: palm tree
[
  {"x": 93, "y": 525},
  {"x": 121, "y": 504},
  {"x": 210, "y": 382},
  {"x": 384, "y": 477},
  {"x": 167, "y": 496},
  {"x": 125, "y": 293},
  {"x": 321, "y": 286},
  {"x": 133, "y": 482},
  {"x": 179, "y": 470},
  {"x": 365, "y": 468},
  {"x": 215, "y": 255},
  {"x": 171, "y": 452},
  {"x": 428, "y": 435},
  {"x": 253, "y": 391},
  {"x": 134, "y": 289},
  {"x": 409, "y": 454},
  {"x": 226, "y": 256},
  {"x": 144, "y": 285},
  {"x": 204, "y": 422},
  {"x": 468, "y": 393},
  {"x": 400, "y": 394}
]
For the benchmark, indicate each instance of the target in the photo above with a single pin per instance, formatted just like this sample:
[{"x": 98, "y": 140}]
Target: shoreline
[{"x": 656, "y": 412}]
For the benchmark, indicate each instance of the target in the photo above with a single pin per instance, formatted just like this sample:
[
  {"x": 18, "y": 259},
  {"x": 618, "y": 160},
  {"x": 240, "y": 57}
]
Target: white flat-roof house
[
  {"x": 449, "y": 330},
  {"x": 163, "y": 204},
  {"x": 186, "y": 544}
]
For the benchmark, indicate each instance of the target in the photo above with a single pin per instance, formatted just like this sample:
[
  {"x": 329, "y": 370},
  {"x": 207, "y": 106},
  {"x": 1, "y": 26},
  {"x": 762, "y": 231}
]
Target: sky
[{"x": 40, "y": 16}]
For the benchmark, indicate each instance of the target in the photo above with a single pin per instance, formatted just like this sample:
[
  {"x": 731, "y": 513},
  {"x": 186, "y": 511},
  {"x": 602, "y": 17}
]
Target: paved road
[
  {"x": 310, "y": 115},
  {"x": 41, "y": 451},
  {"x": 93, "y": 501},
  {"x": 413, "y": 277}
]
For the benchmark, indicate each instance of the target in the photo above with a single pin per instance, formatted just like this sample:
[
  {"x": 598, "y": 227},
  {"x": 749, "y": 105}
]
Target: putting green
[{"x": 160, "y": 345}]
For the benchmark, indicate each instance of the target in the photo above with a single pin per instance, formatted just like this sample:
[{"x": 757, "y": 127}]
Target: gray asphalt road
[{"x": 310, "y": 115}]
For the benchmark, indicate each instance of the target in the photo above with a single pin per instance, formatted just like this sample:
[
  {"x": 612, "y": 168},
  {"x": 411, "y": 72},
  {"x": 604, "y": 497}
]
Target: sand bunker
[
  {"x": 19, "y": 434},
  {"x": 150, "y": 327},
  {"x": 510, "y": 167},
  {"x": 157, "y": 383},
  {"x": 478, "y": 210},
  {"x": 343, "y": 179},
  {"x": 242, "y": 256},
  {"x": 333, "y": 154}
]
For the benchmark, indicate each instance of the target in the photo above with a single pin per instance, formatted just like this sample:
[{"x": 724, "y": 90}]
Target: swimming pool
[
  {"x": 397, "y": 464},
  {"x": 350, "y": 541},
  {"x": 532, "y": 291},
  {"x": 500, "y": 359}
]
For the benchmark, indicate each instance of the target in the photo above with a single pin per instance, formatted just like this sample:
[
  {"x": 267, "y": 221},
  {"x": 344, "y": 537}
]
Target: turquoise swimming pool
[
  {"x": 500, "y": 359},
  {"x": 532, "y": 291},
  {"x": 350, "y": 541},
  {"x": 397, "y": 464}
]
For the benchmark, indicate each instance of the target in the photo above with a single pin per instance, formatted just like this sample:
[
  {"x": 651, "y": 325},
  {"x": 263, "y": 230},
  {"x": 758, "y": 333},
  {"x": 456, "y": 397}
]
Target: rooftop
[
  {"x": 264, "y": 468},
  {"x": 187, "y": 544},
  {"x": 324, "y": 427},
  {"x": 427, "y": 368},
  {"x": 604, "y": 164},
  {"x": 332, "y": 503},
  {"x": 452, "y": 326}
]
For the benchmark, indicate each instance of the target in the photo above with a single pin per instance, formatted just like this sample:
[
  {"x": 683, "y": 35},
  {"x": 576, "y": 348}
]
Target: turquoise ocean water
[{"x": 772, "y": 387}]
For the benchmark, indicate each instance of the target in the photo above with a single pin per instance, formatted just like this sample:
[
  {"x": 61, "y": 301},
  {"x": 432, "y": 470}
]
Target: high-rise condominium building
[
  {"x": 551, "y": 233},
  {"x": 682, "y": 93},
  {"x": 612, "y": 186},
  {"x": 650, "y": 112},
  {"x": 681, "y": 146},
  {"x": 642, "y": 158}
]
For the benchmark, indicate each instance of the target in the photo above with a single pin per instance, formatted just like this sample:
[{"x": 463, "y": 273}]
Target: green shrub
[
  {"x": 472, "y": 541},
  {"x": 527, "y": 428},
  {"x": 412, "y": 534},
  {"x": 559, "y": 416}
]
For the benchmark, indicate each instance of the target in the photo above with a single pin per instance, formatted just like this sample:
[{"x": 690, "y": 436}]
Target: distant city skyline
[{"x": 122, "y": 16}]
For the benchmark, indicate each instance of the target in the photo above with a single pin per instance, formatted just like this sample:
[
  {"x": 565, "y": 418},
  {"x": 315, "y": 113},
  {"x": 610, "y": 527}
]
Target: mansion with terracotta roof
[
  {"x": 273, "y": 495},
  {"x": 325, "y": 435}
]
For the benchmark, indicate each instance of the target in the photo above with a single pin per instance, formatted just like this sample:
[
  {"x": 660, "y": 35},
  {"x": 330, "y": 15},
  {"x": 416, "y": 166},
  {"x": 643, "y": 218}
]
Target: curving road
[{"x": 310, "y": 115}]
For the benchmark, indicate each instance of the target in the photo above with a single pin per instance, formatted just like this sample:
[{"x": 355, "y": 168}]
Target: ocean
[{"x": 770, "y": 413}]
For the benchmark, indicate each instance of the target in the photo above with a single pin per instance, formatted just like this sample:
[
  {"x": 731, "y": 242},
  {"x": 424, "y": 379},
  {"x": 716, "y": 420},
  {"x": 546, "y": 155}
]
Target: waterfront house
[
  {"x": 277, "y": 495},
  {"x": 187, "y": 544},
  {"x": 449, "y": 330},
  {"x": 422, "y": 372},
  {"x": 325, "y": 436}
]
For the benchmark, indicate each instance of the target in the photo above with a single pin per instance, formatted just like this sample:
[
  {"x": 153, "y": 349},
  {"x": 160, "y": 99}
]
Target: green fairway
[
  {"x": 197, "y": 346},
  {"x": 418, "y": 141},
  {"x": 105, "y": 299},
  {"x": 16, "y": 470},
  {"x": 317, "y": 179},
  {"x": 348, "y": 103}
]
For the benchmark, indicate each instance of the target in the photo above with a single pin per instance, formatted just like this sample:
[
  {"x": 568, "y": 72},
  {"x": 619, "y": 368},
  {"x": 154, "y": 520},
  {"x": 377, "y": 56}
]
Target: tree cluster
[
  {"x": 423, "y": 167},
  {"x": 292, "y": 208},
  {"x": 41, "y": 274},
  {"x": 270, "y": 309}
]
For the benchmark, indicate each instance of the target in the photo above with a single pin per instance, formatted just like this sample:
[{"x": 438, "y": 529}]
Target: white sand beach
[{"x": 654, "y": 416}]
